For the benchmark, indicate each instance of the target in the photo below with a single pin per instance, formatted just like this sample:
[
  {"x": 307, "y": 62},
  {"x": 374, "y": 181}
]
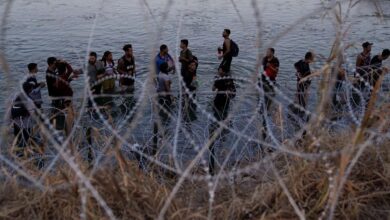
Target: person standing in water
[
  {"x": 268, "y": 78},
  {"x": 108, "y": 85},
  {"x": 163, "y": 103},
  {"x": 164, "y": 57},
  {"x": 225, "y": 90},
  {"x": 362, "y": 75},
  {"x": 226, "y": 51},
  {"x": 94, "y": 68},
  {"x": 185, "y": 59},
  {"x": 127, "y": 71},
  {"x": 302, "y": 68},
  {"x": 363, "y": 61},
  {"x": 376, "y": 66}
]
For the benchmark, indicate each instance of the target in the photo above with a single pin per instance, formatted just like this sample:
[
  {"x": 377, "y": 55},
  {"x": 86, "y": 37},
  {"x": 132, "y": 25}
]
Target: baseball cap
[{"x": 366, "y": 44}]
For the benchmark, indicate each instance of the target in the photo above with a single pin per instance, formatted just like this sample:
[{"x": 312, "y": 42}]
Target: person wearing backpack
[{"x": 229, "y": 50}]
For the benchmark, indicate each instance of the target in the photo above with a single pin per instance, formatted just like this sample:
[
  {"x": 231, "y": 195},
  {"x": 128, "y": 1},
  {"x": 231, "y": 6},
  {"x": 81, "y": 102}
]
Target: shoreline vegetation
[
  {"x": 257, "y": 194},
  {"x": 317, "y": 174}
]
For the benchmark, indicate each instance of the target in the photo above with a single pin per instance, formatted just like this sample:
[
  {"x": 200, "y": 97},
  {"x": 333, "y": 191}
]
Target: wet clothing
[
  {"x": 224, "y": 87},
  {"x": 126, "y": 68},
  {"x": 165, "y": 59},
  {"x": 270, "y": 67},
  {"x": 303, "y": 70},
  {"x": 227, "y": 59}
]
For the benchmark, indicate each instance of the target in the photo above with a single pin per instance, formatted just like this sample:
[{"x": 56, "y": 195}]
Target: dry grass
[{"x": 132, "y": 194}]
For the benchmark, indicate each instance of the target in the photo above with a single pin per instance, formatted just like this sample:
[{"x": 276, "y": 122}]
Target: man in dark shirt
[
  {"x": 127, "y": 70},
  {"x": 268, "y": 77},
  {"x": 57, "y": 117},
  {"x": 51, "y": 75},
  {"x": 189, "y": 107},
  {"x": 376, "y": 65},
  {"x": 95, "y": 71},
  {"x": 59, "y": 74},
  {"x": 185, "y": 59},
  {"x": 303, "y": 70}
]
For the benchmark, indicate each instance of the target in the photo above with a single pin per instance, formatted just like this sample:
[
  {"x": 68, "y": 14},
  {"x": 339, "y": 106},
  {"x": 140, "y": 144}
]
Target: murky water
[{"x": 35, "y": 30}]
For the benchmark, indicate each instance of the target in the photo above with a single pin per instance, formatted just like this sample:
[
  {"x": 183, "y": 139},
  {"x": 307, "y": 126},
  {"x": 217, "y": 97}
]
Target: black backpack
[{"x": 234, "y": 48}]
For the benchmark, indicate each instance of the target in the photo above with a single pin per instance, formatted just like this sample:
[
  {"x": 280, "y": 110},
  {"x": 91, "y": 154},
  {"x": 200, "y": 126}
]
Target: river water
[{"x": 37, "y": 29}]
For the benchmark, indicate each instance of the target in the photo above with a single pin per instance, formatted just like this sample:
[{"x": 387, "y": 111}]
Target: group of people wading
[{"x": 104, "y": 89}]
